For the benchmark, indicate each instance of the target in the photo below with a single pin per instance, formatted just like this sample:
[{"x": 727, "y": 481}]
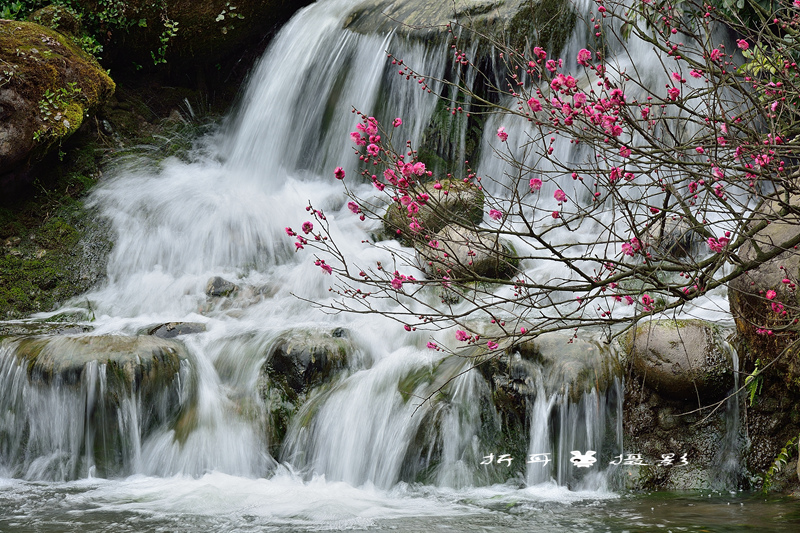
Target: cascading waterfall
[{"x": 223, "y": 214}]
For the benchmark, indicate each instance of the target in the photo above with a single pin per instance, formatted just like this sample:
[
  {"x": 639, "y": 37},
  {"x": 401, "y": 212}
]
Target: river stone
[
  {"x": 682, "y": 360},
  {"x": 134, "y": 363},
  {"x": 175, "y": 329},
  {"x": 60, "y": 18},
  {"x": 464, "y": 253},
  {"x": 220, "y": 287},
  {"x": 454, "y": 202},
  {"x": 48, "y": 87}
]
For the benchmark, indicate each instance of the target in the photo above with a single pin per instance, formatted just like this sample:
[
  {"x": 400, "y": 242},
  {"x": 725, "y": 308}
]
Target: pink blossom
[
  {"x": 523, "y": 331},
  {"x": 536, "y": 184},
  {"x": 579, "y": 99},
  {"x": 308, "y": 227},
  {"x": 534, "y": 104},
  {"x": 418, "y": 168},
  {"x": 298, "y": 246},
  {"x": 326, "y": 268},
  {"x": 339, "y": 173},
  {"x": 413, "y": 208},
  {"x": 501, "y": 133},
  {"x": 397, "y": 122},
  {"x": 584, "y": 56},
  {"x": 357, "y": 139},
  {"x": 629, "y": 300},
  {"x": 742, "y": 44},
  {"x": 624, "y": 151},
  {"x": 437, "y": 186},
  {"x": 373, "y": 150},
  {"x": 289, "y": 232},
  {"x": 696, "y": 73},
  {"x": 560, "y": 196},
  {"x": 539, "y": 52},
  {"x": 461, "y": 335},
  {"x": 494, "y": 214},
  {"x": 771, "y": 294},
  {"x": 777, "y": 307},
  {"x": 673, "y": 93},
  {"x": 716, "y": 54},
  {"x": 693, "y": 187},
  {"x": 555, "y": 214},
  {"x": 414, "y": 226},
  {"x": 397, "y": 283},
  {"x": 647, "y": 301},
  {"x": 616, "y": 173},
  {"x": 352, "y": 206},
  {"x": 627, "y": 249},
  {"x": 492, "y": 345},
  {"x": 676, "y": 76},
  {"x": 551, "y": 65},
  {"x": 700, "y": 150},
  {"x": 432, "y": 346},
  {"x": 645, "y": 112}
]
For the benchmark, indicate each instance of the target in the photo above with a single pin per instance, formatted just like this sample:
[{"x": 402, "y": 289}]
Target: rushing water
[{"x": 356, "y": 451}]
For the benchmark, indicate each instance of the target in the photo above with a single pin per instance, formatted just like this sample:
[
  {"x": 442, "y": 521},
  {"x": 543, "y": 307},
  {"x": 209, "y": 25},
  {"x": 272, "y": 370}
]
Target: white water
[{"x": 223, "y": 214}]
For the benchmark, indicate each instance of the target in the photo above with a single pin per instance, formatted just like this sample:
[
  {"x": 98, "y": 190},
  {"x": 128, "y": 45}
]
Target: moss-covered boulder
[
  {"x": 133, "y": 363},
  {"x": 82, "y": 405},
  {"x": 459, "y": 252},
  {"x": 449, "y": 202},
  {"x": 297, "y": 363},
  {"x": 682, "y": 359},
  {"x": 48, "y": 87},
  {"x": 546, "y": 23}
]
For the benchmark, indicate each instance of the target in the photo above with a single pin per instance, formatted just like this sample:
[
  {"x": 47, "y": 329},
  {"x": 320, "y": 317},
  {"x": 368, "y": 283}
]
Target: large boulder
[
  {"x": 82, "y": 405},
  {"x": 682, "y": 359},
  {"x": 546, "y": 23},
  {"x": 458, "y": 252},
  {"x": 450, "y": 201},
  {"x": 297, "y": 363},
  {"x": 48, "y": 87}
]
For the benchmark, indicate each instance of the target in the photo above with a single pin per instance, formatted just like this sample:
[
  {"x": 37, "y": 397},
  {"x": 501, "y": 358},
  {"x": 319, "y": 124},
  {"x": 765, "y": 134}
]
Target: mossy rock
[
  {"x": 299, "y": 363},
  {"x": 133, "y": 363},
  {"x": 455, "y": 202},
  {"x": 539, "y": 22},
  {"x": 58, "y": 17},
  {"x": 48, "y": 87}
]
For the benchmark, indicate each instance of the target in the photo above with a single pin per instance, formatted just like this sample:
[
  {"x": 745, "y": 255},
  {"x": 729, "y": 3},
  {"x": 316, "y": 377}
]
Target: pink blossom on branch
[
  {"x": 397, "y": 122},
  {"x": 494, "y": 214},
  {"x": 560, "y": 195},
  {"x": 501, "y": 134},
  {"x": 534, "y": 104},
  {"x": 584, "y": 56},
  {"x": 536, "y": 184},
  {"x": 461, "y": 335},
  {"x": 339, "y": 173}
]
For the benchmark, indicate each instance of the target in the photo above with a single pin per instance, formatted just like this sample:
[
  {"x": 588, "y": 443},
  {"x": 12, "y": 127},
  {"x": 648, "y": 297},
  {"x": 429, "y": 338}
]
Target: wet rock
[
  {"x": 134, "y": 363},
  {"x": 682, "y": 360},
  {"x": 19, "y": 328},
  {"x": 455, "y": 202},
  {"x": 48, "y": 87},
  {"x": 175, "y": 329},
  {"x": 546, "y": 23},
  {"x": 220, "y": 287},
  {"x": 298, "y": 362},
  {"x": 463, "y": 252}
]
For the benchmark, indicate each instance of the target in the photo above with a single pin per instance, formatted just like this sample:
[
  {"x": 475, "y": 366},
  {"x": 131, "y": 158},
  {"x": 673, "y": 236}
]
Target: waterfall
[{"x": 393, "y": 412}]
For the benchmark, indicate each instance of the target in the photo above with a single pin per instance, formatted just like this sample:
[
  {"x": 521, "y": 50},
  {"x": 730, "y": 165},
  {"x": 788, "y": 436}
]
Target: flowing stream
[{"x": 360, "y": 452}]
